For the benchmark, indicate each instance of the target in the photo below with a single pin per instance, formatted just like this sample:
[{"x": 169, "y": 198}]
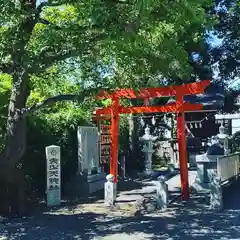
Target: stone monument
[
  {"x": 53, "y": 189},
  {"x": 88, "y": 150},
  {"x": 89, "y": 177},
  {"x": 206, "y": 162},
  {"x": 224, "y": 139},
  {"x": 148, "y": 139}
]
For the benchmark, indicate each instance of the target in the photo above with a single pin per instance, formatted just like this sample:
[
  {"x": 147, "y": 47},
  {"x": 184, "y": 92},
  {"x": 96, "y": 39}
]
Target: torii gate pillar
[
  {"x": 114, "y": 138},
  {"x": 181, "y": 136}
]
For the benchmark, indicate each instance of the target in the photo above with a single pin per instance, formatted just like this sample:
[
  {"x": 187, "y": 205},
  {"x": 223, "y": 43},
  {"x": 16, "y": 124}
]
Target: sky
[
  {"x": 215, "y": 41},
  {"x": 40, "y": 1}
]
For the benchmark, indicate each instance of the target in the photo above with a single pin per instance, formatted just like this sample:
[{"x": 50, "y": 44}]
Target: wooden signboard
[{"x": 105, "y": 141}]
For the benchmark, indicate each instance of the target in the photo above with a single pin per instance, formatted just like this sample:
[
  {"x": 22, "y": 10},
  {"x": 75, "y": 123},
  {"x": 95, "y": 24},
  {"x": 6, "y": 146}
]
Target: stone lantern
[
  {"x": 148, "y": 139},
  {"x": 224, "y": 139}
]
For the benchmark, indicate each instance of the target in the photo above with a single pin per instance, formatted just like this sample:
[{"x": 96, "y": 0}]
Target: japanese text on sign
[{"x": 53, "y": 174}]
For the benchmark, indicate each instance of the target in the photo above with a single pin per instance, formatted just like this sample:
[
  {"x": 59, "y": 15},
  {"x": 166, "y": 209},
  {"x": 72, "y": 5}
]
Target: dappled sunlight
[{"x": 188, "y": 220}]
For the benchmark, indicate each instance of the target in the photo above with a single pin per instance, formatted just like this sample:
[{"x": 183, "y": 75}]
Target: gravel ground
[{"x": 192, "y": 220}]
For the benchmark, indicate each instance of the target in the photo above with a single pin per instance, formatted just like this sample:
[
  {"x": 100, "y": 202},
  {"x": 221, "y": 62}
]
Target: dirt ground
[{"x": 94, "y": 221}]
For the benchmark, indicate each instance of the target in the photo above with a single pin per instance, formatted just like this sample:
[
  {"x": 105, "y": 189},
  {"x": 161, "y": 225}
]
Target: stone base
[
  {"x": 199, "y": 186},
  {"x": 83, "y": 185},
  {"x": 54, "y": 198},
  {"x": 192, "y": 160},
  {"x": 202, "y": 170},
  {"x": 204, "y": 164}
]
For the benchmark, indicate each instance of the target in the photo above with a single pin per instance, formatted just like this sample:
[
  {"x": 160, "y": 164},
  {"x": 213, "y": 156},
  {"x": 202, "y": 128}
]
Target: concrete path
[
  {"x": 174, "y": 184},
  {"x": 147, "y": 187}
]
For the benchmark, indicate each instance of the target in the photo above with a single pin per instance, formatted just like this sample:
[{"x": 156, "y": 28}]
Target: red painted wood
[
  {"x": 99, "y": 118},
  {"x": 114, "y": 138},
  {"x": 151, "y": 109},
  {"x": 181, "y": 135},
  {"x": 185, "y": 89},
  {"x": 146, "y": 93},
  {"x": 146, "y": 101}
]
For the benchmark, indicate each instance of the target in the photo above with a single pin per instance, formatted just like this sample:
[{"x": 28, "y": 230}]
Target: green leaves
[
  {"x": 227, "y": 55},
  {"x": 5, "y": 83},
  {"x": 148, "y": 35},
  {"x": 122, "y": 43}
]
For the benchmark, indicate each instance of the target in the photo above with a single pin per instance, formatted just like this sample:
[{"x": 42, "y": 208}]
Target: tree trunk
[{"x": 11, "y": 177}]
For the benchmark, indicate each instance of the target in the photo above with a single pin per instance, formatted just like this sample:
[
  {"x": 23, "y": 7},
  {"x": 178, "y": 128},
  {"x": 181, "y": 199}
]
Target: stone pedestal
[
  {"x": 83, "y": 185},
  {"x": 205, "y": 163},
  {"x": 192, "y": 159},
  {"x": 89, "y": 177},
  {"x": 148, "y": 161},
  {"x": 216, "y": 198}
]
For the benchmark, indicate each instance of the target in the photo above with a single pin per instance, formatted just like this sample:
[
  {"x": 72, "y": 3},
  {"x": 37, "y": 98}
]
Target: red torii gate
[{"x": 178, "y": 107}]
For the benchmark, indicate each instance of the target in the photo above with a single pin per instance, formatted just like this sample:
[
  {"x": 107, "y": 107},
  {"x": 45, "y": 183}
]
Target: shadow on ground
[
  {"x": 129, "y": 184},
  {"x": 231, "y": 196},
  {"x": 192, "y": 220}
]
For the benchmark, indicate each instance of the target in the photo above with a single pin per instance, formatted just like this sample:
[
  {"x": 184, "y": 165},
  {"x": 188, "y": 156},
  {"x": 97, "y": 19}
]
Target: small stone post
[
  {"x": 110, "y": 191},
  {"x": 216, "y": 198},
  {"x": 162, "y": 193},
  {"x": 53, "y": 189}
]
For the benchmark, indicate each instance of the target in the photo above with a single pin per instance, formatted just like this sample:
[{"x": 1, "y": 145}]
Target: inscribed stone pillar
[
  {"x": 88, "y": 149},
  {"x": 53, "y": 189}
]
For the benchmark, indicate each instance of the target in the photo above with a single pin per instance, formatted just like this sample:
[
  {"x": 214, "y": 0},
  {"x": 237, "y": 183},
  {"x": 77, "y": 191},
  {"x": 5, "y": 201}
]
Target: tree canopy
[
  {"x": 146, "y": 37},
  {"x": 227, "y": 53},
  {"x": 95, "y": 44},
  {"x": 59, "y": 50}
]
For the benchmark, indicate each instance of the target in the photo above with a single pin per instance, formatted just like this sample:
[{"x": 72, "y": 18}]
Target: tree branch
[
  {"x": 62, "y": 97},
  {"x": 49, "y": 101},
  {"x": 123, "y": 2},
  {"x": 48, "y": 60},
  {"x": 64, "y": 28},
  {"x": 6, "y": 68},
  {"x": 51, "y": 3}
]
